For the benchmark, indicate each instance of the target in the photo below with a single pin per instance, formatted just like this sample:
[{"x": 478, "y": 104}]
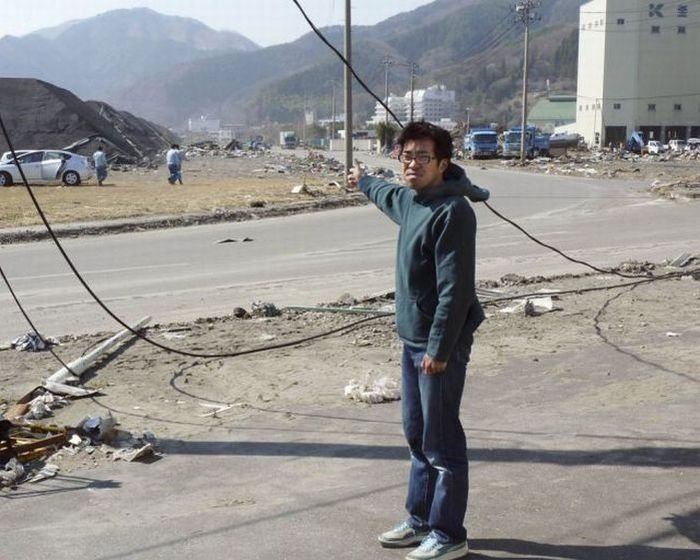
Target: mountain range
[{"x": 168, "y": 69}]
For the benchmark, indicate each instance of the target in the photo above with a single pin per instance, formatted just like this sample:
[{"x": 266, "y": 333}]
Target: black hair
[{"x": 422, "y": 130}]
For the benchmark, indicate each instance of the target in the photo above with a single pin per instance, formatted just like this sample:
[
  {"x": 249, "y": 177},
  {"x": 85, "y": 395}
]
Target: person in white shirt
[
  {"x": 174, "y": 160},
  {"x": 100, "y": 159}
]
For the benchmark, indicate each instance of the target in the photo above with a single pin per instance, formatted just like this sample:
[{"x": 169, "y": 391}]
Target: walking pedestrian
[
  {"x": 100, "y": 159},
  {"x": 173, "y": 158}
]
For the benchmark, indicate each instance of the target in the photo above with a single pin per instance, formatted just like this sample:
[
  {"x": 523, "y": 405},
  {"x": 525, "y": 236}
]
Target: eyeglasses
[{"x": 422, "y": 158}]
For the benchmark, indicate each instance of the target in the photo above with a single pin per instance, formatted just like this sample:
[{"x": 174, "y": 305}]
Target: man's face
[{"x": 428, "y": 171}]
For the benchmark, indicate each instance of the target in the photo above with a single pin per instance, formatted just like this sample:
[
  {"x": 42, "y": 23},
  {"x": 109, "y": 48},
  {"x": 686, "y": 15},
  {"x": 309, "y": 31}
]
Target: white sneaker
[
  {"x": 402, "y": 535},
  {"x": 431, "y": 549}
]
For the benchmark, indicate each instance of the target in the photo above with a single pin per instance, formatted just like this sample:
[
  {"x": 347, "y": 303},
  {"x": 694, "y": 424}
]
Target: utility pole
[
  {"x": 332, "y": 128},
  {"x": 387, "y": 62},
  {"x": 348, "y": 92},
  {"x": 524, "y": 12},
  {"x": 412, "y": 68}
]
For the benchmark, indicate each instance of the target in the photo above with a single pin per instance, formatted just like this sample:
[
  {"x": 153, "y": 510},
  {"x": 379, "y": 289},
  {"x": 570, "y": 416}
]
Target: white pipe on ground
[{"x": 79, "y": 366}]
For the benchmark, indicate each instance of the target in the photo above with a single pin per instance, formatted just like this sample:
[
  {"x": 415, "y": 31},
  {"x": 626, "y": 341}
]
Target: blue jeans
[
  {"x": 438, "y": 484},
  {"x": 175, "y": 174},
  {"x": 101, "y": 171}
]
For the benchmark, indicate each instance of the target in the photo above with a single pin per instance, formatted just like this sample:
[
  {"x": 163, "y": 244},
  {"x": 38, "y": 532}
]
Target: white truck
[{"x": 288, "y": 139}]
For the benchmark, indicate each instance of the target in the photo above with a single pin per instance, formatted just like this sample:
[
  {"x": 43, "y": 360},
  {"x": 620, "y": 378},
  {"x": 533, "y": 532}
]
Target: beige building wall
[{"x": 638, "y": 70}]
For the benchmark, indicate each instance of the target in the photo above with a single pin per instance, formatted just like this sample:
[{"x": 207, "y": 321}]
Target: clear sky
[{"x": 265, "y": 22}]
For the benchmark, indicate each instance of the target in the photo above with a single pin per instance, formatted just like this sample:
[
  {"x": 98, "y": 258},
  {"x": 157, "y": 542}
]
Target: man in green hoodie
[{"x": 437, "y": 312}]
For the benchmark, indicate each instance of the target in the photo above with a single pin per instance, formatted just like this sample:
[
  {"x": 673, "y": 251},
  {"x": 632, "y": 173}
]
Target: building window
[
  {"x": 651, "y": 107},
  {"x": 586, "y": 107},
  {"x": 620, "y": 21},
  {"x": 617, "y": 106},
  {"x": 580, "y": 108},
  {"x": 656, "y": 29},
  {"x": 681, "y": 29},
  {"x": 677, "y": 107}
]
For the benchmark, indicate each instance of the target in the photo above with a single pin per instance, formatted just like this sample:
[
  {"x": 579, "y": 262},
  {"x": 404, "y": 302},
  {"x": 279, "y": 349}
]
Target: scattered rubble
[
  {"x": 685, "y": 181},
  {"x": 370, "y": 391},
  {"x": 32, "y": 342}
]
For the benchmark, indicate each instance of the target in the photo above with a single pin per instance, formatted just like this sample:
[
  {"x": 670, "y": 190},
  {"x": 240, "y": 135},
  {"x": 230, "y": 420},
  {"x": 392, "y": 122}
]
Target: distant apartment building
[
  {"x": 204, "y": 124},
  {"x": 397, "y": 105},
  {"x": 434, "y": 104},
  {"x": 637, "y": 70}
]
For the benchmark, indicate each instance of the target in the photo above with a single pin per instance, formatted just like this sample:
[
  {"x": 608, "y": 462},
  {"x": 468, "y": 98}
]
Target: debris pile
[
  {"x": 370, "y": 391},
  {"x": 685, "y": 187},
  {"x": 30, "y": 451},
  {"x": 32, "y": 342},
  {"x": 28, "y": 448}
]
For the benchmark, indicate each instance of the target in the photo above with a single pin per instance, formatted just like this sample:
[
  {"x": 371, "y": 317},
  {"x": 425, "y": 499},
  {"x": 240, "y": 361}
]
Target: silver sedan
[{"x": 46, "y": 167}]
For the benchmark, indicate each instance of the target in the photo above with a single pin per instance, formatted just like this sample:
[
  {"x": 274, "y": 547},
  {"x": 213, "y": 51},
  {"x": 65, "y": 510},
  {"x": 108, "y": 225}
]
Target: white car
[
  {"x": 45, "y": 167},
  {"x": 676, "y": 145},
  {"x": 692, "y": 144},
  {"x": 655, "y": 147}
]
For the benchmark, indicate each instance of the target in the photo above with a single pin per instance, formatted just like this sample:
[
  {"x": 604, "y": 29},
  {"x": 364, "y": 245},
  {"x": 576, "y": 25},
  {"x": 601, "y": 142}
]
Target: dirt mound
[{"x": 40, "y": 115}]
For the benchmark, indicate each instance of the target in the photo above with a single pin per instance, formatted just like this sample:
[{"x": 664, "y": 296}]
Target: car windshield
[
  {"x": 7, "y": 156},
  {"x": 485, "y": 137}
]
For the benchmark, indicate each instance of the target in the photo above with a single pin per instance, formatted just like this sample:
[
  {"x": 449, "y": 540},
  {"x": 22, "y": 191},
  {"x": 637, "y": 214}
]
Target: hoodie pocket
[{"x": 412, "y": 322}]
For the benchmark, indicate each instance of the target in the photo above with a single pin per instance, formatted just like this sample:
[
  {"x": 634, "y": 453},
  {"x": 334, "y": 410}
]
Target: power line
[
  {"x": 109, "y": 312},
  {"x": 345, "y": 62},
  {"x": 526, "y": 5}
]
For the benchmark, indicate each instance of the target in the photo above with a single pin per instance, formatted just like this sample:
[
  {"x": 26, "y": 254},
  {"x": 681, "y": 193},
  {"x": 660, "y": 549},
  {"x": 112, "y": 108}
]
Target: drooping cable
[
  {"x": 558, "y": 251},
  {"x": 281, "y": 345},
  {"x": 511, "y": 222},
  {"x": 30, "y": 323},
  {"x": 345, "y": 62},
  {"x": 136, "y": 333}
]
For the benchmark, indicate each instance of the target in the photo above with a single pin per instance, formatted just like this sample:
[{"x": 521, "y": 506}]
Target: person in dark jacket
[{"x": 437, "y": 312}]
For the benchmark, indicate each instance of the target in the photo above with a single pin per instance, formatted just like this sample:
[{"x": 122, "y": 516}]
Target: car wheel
[
  {"x": 71, "y": 178},
  {"x": 5, "y": 179}
]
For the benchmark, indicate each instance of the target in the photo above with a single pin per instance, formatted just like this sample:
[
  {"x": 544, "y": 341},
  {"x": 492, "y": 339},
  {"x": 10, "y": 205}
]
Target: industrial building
[{"x": 637, "y": 70}]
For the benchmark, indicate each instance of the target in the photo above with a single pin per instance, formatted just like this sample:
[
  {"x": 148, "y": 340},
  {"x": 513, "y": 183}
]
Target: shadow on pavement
[
  {"x": 60, "y": 485},
  {"x": 687, "y": 525},
  {"x": 660, "y": 457},
  {"x": 529, "y": 550}
]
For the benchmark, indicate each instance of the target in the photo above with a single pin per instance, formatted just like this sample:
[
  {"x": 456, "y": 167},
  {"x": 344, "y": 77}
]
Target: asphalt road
[{"x": 185, "y": 273}]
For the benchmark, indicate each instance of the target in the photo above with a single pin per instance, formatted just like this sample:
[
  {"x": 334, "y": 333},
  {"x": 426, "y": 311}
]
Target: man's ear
[{"x": 442, "y": 166}]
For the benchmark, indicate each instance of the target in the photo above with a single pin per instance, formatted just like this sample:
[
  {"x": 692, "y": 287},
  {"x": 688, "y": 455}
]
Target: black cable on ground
[
  {"x": 559, "y": 252},
  {"x": 640, "y": 280},
  {"x": 281, "y": 345},
  {"x": 109, "y": 312},
  {"x": 345, "y": 62},
  {"x": 31, "y": 324}
]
